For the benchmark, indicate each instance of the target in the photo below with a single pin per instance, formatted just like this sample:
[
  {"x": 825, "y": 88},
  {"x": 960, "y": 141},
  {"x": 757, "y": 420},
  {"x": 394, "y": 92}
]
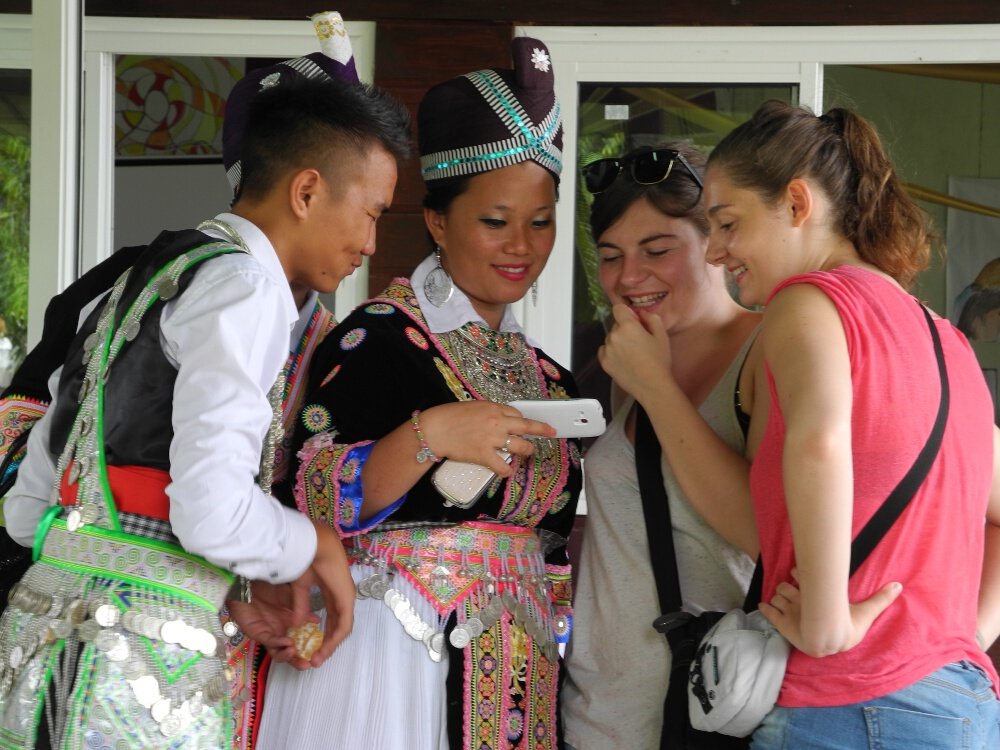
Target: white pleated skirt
[{"x": 379, "y": 691}]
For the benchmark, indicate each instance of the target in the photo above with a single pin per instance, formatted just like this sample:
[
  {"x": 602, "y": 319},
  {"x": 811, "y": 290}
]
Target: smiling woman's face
[
  {"x": 654, "y": 262},
  {"x": 497, "y": 236}
]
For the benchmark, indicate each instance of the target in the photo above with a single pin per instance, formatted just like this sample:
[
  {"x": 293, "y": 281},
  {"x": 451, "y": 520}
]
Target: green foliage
[
  {"x": 591, "y": 148},
  {"x": 15, "y": 192}
]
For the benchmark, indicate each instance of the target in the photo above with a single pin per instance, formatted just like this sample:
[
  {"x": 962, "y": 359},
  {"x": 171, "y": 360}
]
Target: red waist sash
[{"x": 136, "y": 489}]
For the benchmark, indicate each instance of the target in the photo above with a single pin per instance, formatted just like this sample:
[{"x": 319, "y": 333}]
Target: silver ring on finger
[{"x": 506, "y": 445}]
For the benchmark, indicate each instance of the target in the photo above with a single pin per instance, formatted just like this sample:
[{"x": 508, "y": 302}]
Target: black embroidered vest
[{"x": 139, "y": 392}]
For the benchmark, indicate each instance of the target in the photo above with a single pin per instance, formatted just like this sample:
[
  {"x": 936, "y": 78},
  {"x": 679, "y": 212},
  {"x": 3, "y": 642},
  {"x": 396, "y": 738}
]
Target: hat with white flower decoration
[
  {"x": 492, "y": 118},
  {"x": 334, "y": 60}
]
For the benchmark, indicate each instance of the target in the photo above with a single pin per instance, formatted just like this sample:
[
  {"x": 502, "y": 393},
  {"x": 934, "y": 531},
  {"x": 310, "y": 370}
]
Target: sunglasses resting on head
[{"x": 647, "y": 168}]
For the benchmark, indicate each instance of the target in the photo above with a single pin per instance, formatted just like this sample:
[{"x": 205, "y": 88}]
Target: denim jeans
[{"x": 954, "y": 708}]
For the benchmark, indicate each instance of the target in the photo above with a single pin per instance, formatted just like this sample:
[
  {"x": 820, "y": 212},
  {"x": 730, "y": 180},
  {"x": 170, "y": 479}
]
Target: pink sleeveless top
[{"x": 936, "y": 547}]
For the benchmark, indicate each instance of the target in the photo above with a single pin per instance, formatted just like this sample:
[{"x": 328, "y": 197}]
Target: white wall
[{"x": 185, "y": 194}]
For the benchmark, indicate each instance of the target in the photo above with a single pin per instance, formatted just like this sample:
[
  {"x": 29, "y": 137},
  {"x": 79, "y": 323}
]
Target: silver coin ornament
[
  {"x": 133, "y": 669},
  {"x": 90, "y": 342},
  {"x": 460, "y": 637},
  {"x": 131, "y": 328},
  {"x": 107, "y": 615},
  {"x": 487, "y": 617},
  {"x": 76, "y": 612},
  {"x": 89, "y": 513},
  {"x": 170, "y": 726},
  {"x": 377, "y": 589},
  {"x": 475, "y": 626},
  {"x": 167, "y": 288},
  {"x": 74, "y": 520},
  {"x": 364, "y": 586},
  {"x": 508, "y": 601},
  {"x": 120, "y": 651},
  {"x": 88, "y": 631},
  {"x": 146, "y": 690},
  {"x": 160, "y": 709},
  {"x": 520, "y": 613}
]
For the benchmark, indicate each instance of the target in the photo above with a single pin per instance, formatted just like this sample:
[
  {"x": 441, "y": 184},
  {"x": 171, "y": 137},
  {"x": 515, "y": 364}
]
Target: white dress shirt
[{"x": 228, "y": 336}]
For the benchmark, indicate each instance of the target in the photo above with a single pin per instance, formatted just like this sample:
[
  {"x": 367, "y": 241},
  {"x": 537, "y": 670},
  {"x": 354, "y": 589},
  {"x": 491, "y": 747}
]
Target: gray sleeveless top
[{"x": 617, "y": 664}]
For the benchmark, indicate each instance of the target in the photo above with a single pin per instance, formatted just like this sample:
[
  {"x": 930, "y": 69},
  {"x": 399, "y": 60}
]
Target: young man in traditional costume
[{"x": 162, "y": 436}]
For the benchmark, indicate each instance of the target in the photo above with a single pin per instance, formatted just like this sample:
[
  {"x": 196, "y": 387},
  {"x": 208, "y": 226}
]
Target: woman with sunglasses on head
[
  {"x": 460, "y": 607},
  {"x": 678, "y": 348},
  {"x": 811, "y": 219}
]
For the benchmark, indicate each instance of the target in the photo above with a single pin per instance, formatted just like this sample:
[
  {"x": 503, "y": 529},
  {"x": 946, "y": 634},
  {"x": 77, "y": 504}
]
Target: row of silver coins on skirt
[
  {"x": 66, "y": 613},
  {"x": 172, "y": 713},
  {"x": 415, "y": 626},
  {"x": 172, "y": 709},
  {"x": 523, "y": 613}
]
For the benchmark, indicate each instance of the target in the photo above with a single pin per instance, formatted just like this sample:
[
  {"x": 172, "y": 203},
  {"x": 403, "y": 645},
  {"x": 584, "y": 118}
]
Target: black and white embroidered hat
[
  {"x": 492, "y": 118},
  {"x": 334, "y": 60}
]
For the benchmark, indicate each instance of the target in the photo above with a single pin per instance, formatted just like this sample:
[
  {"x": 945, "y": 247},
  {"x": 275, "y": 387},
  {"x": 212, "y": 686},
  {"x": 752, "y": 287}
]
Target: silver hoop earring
[{"x": 438, "y": 285}]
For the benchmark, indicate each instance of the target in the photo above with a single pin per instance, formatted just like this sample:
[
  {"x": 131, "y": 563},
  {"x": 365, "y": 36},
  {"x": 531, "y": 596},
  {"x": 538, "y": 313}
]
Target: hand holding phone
[{"x": 462, "y": 483}]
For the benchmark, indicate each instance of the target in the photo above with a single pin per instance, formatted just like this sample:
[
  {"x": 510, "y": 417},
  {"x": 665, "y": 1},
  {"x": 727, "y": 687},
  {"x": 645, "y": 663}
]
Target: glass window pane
[
  {"x": 168, "y": 142},
  {"x": 15, "y": 191},
  {"x": 938, "y": 123}
]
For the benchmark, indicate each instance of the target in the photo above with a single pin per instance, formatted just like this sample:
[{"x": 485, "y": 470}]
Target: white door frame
[{"x": 710, "y": 55}]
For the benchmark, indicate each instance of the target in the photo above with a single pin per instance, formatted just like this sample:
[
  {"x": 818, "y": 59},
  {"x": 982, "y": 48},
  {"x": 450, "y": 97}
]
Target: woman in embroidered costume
[{"x": 460, "y": 611}]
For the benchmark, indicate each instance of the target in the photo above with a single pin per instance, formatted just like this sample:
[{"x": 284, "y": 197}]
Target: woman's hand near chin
[{"x": 636, "y": 352}]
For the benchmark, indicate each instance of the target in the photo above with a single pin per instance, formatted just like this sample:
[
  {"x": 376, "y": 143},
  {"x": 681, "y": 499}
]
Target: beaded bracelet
[{"x": 425, "y": 453}]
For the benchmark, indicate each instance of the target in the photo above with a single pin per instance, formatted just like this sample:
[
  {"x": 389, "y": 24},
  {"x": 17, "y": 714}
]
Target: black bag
[
  {"x": 683, "y": 630},
  {"x": 678, "y": 734},
  {"x": 31, "y": 378}
]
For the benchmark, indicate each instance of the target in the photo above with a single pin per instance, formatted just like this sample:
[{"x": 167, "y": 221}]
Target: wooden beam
[{"x": 581, "y": 12}]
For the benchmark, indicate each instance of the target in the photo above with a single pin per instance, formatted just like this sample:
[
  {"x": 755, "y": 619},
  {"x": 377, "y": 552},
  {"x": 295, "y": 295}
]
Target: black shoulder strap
[
  {"x": 659, "y": 531},
  {"x": 656, "y": 510},
  {"x": 900, "y": 497}
]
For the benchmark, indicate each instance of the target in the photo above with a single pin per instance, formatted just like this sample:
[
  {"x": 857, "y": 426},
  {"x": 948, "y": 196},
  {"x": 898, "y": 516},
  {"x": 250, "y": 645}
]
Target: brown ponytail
[{"x": 843, "y": 154}]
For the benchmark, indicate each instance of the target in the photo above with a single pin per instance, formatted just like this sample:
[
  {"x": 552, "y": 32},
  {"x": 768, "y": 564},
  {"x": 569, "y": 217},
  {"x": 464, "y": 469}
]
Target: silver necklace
[{"x": 497, "y": 364}]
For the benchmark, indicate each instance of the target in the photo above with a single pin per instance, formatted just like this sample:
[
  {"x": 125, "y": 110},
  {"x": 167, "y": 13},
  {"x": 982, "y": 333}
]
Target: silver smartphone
[
  {"x": 572, "y": 417},
  {"x": 462, "y": 484}
]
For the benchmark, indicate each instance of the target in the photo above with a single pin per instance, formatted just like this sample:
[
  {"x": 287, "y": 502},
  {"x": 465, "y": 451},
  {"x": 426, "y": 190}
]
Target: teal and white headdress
[{"x": 491, "y": 119}]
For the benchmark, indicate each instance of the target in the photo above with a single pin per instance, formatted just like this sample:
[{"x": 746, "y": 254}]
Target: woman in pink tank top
[{"x": 809, "y": 216}]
